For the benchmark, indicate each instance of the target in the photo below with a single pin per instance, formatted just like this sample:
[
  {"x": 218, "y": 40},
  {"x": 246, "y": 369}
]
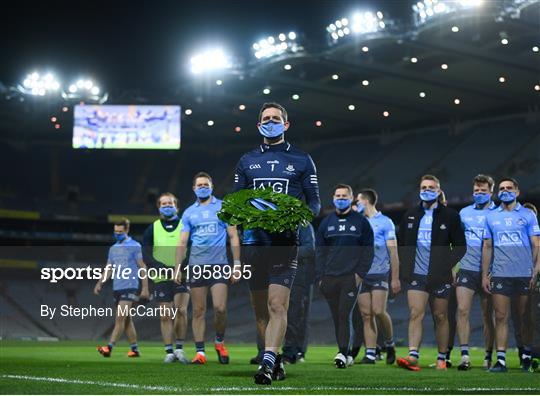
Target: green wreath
[{"x": 263, "y": 208}]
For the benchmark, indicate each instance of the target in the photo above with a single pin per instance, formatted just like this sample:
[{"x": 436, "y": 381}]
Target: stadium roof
[{"x": 463, "y": 65}]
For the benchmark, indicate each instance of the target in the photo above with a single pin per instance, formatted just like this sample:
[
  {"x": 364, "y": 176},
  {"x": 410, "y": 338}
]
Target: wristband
[{"x": 237, "y": 262}]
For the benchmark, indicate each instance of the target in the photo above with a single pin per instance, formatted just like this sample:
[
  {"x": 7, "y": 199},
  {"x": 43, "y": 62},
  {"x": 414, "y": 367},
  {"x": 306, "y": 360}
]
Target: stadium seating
[{"x": 120, "y": 181}]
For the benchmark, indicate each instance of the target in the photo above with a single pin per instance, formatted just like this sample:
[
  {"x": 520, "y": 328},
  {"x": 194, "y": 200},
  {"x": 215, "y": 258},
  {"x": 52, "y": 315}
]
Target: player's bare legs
[
  {"x": 278, "y": 304},
  {"x": 442, "y": 326},
  {"x": 219, "y": 302},
  {"x": 198, "y": 320},
  {"x": 259, "y": 302},
  {"x": 417, "y": 306},
  {"x": 486, "y": 304},
  {"x": 120, "y": 321},
  {"x": 370, "y": 328},
  {"x": 181, "y": 302},
  {"x": 131, "y": 333},
  {"x": 378, "y": 304}
]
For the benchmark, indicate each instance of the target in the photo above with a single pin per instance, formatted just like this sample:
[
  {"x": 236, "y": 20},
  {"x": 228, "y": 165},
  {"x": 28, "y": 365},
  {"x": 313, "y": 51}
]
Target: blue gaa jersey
[
  {"x": 208, "y": 234},
  {"x": 125, "y": 255},
  {"x": 284, "y": 168},
  {"x": 423, "y": 243},
  {"x": 474, "y": 223},
  {"x": 383, "y": 230},
  {"x": 511, "y": 233}
]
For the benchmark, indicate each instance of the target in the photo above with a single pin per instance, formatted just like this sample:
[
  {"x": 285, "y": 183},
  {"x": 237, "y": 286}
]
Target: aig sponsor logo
[
  {"x": 279, "y": 185},
  {"x": 474, "y": 233},
  {"x": 209, "y": 228},
  {"x": 509, "y": 238}
]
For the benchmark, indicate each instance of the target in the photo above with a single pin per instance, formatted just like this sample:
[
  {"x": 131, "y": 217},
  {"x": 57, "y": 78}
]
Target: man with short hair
[
  {"x": 273, "y": 257},
  {"x": 510, "y": 263},
  {"x": 431, "y": 241},
  {"x": 159, "y": 251},
  {"x": 208, "y": 264},
  {"x": 344, "y": 254},
  {"x": 469, "y": 277},
  {"x": 374, "y": 290},
  {"x": 124, "y": 254}
]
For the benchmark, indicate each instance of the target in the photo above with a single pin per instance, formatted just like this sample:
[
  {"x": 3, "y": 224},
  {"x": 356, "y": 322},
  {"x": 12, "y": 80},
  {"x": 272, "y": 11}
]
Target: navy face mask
[
  {"x": 428, "y": 195},
  {"x": 271, "y": 129},
  {"x": 481, "y": 198},
  {"x": 168, "y": 211},
  {"x": 507, "y": 196},
  {"x": 342, "y": 204},
  {"x": 203, "y": 192},
  {"x": 119, "y": 236}
]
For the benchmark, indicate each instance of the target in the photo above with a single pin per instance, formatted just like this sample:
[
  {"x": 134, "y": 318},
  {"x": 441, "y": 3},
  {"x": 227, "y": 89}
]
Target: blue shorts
[
  {"x": 207, "y": 275},
  {"x": 270, "y": 265},
  {"x": 470, "y": 279},
  {"x": 510, "y": 286},
  {"x": 374, "y": 282},
  {"x": 126, "y": 295},
  {"x": 166, "y": 290},
  {"x": 419, "y": 282}
]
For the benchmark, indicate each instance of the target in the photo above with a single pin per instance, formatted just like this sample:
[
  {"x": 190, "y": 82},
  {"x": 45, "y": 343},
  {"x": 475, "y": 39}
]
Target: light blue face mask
[
  {"x": 119, "y": 236},
  {"x": 481, "y": 198},
  {"x": 360, "y": 207},
  {"x": 271, "y": 129},
  {"x": 203, "y": 192},
  {"x": 428, "y": 195},
  {"x": 507, "y": 196},
  {"x": 342, "y": 203},
  {"x": 168, "y": 211}
]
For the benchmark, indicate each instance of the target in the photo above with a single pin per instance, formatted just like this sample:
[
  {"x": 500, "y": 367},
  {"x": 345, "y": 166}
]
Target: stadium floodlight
[
  {"x": 210, "y": 60},
  {"x": 424, "y": 10},
  {"x": 37, "y": 84},
  {"x": 358, "y": 23},
  {"x": 85, "y": 89},
  {"x": 273, "y": 46}
]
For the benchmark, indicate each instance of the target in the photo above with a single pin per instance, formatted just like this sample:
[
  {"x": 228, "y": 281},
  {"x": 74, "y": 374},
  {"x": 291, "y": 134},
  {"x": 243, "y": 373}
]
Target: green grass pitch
[{"x": 28, "y": 367}]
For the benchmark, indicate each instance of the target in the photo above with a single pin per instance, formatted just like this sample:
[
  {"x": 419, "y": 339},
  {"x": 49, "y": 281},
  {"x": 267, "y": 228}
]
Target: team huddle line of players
[{"x": 486, "y": 249}]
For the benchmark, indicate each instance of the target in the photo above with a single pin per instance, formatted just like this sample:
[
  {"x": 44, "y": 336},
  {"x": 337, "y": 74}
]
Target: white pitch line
[
  {"x": 97, "y": 383},
  {"x": 257, "y": 388}
]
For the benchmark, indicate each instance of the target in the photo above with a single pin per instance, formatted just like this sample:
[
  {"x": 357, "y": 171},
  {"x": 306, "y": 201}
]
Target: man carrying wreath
[{"x": 278, "y": 165}]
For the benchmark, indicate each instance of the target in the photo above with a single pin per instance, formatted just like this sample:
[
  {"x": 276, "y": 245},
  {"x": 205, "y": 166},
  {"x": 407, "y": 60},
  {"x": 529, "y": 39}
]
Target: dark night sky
[{"x": 147, "y": 45}]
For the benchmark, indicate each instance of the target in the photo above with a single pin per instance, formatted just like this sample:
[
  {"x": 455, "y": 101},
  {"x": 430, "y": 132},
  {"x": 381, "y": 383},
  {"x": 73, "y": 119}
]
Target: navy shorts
[
  {"x": 510, "y": 286},
  {"x": 126, "y": 295},
  {"x": 166, "y": 290},
  {"x": 374, "y": 282},
  {"x": 469, "y": 279},
  {"x": 208, "y": 275},
  {"x": 270, "y": 265},
  {"x": 419, "y": 282}
]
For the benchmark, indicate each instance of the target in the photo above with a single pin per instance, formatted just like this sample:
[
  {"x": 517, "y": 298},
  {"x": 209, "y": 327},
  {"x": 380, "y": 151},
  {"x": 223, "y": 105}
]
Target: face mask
[
  {"x": 271, "y": 129},
  {"x": 168, "y": 211},
  {"x": 203, "y": 192},
  {"x": 507, "y": 196},
  {"x": 119, "y": 237},
  {"x": 342, "y": 204},
  {"x": 428, "y": 195},
  {"x": 481, "y": 198},
  {"x": 360, "y": 207}
]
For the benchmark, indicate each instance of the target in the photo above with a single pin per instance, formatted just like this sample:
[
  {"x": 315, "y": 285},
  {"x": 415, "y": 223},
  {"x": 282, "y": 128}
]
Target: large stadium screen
[{"x": 126, "y": 127}]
